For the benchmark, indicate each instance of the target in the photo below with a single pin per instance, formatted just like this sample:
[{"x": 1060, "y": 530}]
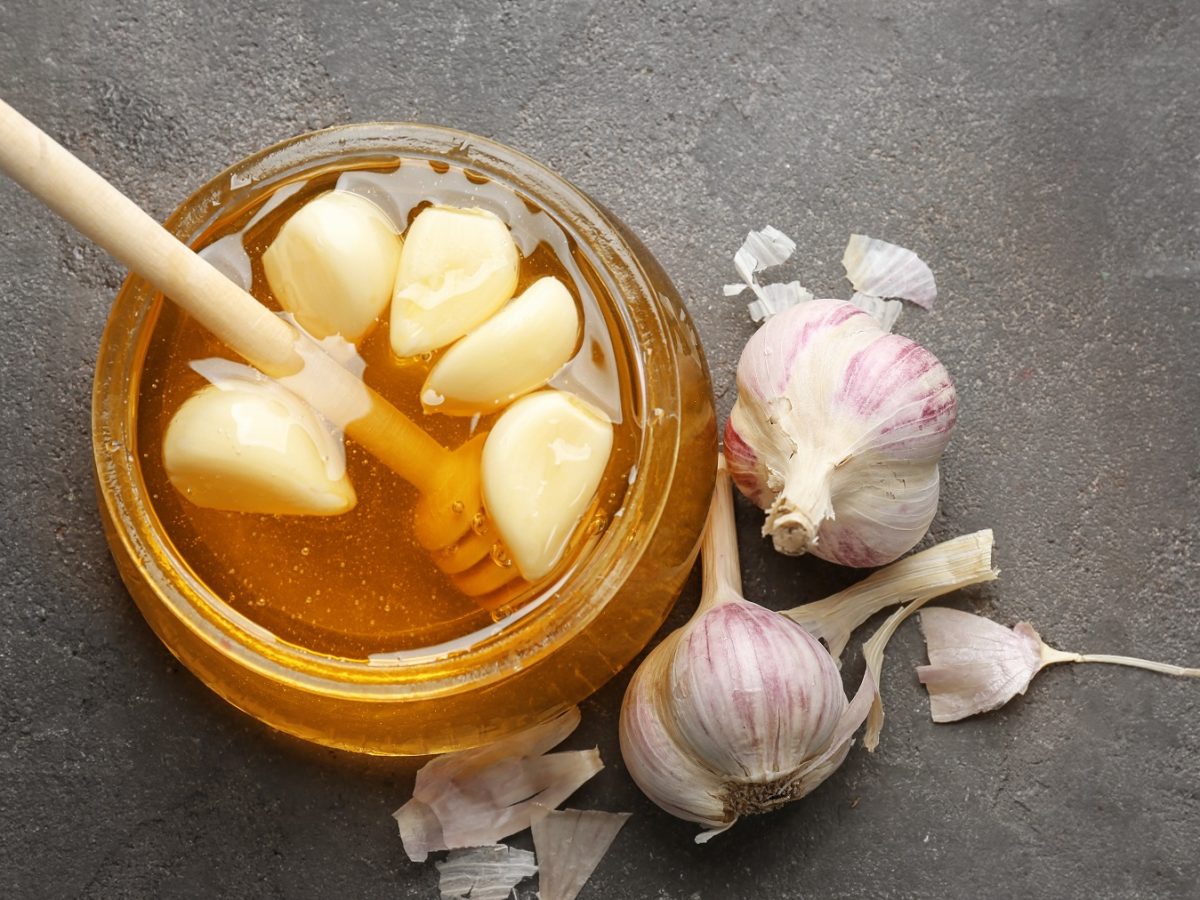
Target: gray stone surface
[{"x": 1040, "y": 155}]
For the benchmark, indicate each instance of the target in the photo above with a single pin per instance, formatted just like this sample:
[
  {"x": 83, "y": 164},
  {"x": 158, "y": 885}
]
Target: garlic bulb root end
[{"x": 795, "y": 517}]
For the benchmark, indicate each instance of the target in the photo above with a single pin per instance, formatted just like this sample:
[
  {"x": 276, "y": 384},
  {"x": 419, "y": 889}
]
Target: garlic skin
[
  {"x": 570, "y": 844},
  {"x": 886, "y": 271},
  {"x": 255, "y": 448},
  {"x": 333, "y": 265},
  {"x": 837, "y": 432},
  {"x": 516, "y": 351},
  {"x": 479, "y": 796},
  {"x": 741, "y": 710},
  {"x": 458, "y": 267}
]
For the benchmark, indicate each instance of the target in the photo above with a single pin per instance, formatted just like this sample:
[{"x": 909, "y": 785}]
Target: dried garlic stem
[
  {"x": 943, "y": 568},
  {"x": 873, "y": 655},
  {"x": 1050, "y": 657},
  {"x": 720, "y": 568}
]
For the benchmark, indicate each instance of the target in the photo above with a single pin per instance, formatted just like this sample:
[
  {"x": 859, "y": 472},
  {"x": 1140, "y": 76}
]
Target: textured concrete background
[{"x": 1042, "y": 156}]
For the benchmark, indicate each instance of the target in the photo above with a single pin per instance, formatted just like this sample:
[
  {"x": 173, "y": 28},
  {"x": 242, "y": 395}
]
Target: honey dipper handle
[{"x": 102, "y": 213}]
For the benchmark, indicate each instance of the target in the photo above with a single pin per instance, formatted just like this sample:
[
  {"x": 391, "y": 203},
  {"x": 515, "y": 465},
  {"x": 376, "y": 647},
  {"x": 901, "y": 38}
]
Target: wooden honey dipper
[{"x": 450, "y": 521}]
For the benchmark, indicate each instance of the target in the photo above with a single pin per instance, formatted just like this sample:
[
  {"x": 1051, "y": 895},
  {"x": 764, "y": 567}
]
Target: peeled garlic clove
[
  {"x": 255, "y": 449},
  {"x": 333, "y": 264},
  {"x": 458, "y": 267},
  {"x": 542, "y": 463},
  {"x": 516, "y": 351}
]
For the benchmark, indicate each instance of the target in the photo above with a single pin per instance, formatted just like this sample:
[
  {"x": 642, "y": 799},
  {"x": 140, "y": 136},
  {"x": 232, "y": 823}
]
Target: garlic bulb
[
  {"x": 333, "y": 264},
  {"x": 741, "y": 710},
  {"x": 836, "y": 433}
]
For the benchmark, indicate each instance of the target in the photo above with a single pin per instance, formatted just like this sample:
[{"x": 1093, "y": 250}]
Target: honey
[
  {"x": 341, "y": 630},
  {"x": 358, "y": 584}
]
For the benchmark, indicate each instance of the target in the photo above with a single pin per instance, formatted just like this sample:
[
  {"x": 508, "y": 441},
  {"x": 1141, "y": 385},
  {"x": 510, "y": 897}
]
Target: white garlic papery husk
[
  {"x": 741, "y": 710},
  {"x": 940, "y": 569},
  {"x": 886, "y": 270},
  {"x": 837, "y": 432},
  {"x": 484, "y": 873},
  {"x": 476, "y": 797},
  {"x": 570, "y": 844},
  {"x": 885, "y": 312}
]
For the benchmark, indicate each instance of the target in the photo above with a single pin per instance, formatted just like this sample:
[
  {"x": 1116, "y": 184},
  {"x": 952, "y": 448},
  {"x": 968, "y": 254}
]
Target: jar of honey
[{"x": 342, "y": 629}]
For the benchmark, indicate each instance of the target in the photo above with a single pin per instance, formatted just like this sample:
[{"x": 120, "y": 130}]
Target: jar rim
[{"x": 491, "y": 653}]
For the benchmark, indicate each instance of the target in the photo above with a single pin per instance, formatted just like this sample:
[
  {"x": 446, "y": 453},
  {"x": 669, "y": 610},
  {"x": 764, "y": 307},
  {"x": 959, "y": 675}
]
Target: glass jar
[{"x": 527, "y": 666}]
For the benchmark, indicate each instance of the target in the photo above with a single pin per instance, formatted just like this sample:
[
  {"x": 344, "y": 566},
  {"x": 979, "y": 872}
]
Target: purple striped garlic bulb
[
  {"x": 741, "y": 710},
  {"x": 837, "y": 432}
]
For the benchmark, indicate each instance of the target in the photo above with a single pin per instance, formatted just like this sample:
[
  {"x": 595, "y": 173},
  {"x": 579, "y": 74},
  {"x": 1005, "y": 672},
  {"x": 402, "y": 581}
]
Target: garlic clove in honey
[
  {"x": 256, "y": 448},
  {"x": 542, "y": 463},
  {"x": 516, "y": 351},
  {"x": 333, "y": 265},
  {"x": 457, "y": 267},
  {"x": 837, "y": 432}
]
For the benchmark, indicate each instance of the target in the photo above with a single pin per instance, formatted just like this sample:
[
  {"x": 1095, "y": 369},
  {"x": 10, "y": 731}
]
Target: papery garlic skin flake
[
  {"x": 542, "y": 463},
  {"x": 458, "y": 267},
  {"x": 837, "y": 432},
  {"x": 479, "y": 796},
  {"x": 246, "y": 444},
  {"x": 888, "y": 271},
  {"x": 333, "y": 265},
  {"x": 484, "y": 873},
  {"x": 516, "y": 351},
  {"x": 570, "y": 844}
]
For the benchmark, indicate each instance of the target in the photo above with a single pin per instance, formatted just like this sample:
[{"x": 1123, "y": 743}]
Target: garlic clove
[
  {"x": 542, "y": 463},
  {"x": 333, "y": 265},
  {"x": 516, "y": 351},
  {"x": 655, "y": 754},
  {"x": 975, "y": 664},
  {"x": 458, "y": 266},
  {"x": 257, "y": 449}
]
